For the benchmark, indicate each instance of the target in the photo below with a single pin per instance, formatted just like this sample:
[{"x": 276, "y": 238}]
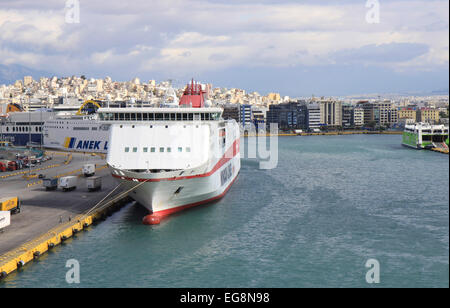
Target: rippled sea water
[{"x": 332, "y": 203}]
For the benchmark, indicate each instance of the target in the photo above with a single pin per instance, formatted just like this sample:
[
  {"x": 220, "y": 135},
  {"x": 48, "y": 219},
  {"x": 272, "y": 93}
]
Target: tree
[{"x": 371, "y": 124}]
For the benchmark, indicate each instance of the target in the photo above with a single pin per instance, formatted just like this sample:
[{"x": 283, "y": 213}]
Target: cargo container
[
  {"x": 94, "y": 183},
  {"x": 50, "y": 184},
  {"x": 5, "y": 219},
  {"x": 11, "y": 204},
  {"x": 89, "y": 170},
  {"x": 68, "y": 183}
]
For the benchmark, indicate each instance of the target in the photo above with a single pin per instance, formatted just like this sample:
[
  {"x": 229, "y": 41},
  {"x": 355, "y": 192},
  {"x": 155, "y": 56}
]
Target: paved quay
[{"x": 43, "y": 210}]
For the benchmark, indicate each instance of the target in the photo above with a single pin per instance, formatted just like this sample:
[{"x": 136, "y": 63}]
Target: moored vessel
[
  {"x": 175, "y": 157},
  {"x": 424, "y": 135}
]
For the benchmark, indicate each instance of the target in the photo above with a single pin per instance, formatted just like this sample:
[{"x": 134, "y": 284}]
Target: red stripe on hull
[{"x": 165, "y": 213}]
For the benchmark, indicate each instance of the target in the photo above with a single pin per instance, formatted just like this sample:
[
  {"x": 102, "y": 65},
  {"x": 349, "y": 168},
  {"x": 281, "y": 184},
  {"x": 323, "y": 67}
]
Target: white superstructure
[
  {"x": 175, "y": 158},
  {"x": 76, "y": 133}
]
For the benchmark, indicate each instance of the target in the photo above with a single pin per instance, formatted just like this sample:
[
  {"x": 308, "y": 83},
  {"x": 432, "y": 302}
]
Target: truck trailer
[
  {"x": 5, "y": 219},
  {"x": 89, "y": 170},
  {"x": 94, "y": 183},
  {"x": 68, "y": 183},
  {"x": 11, "y": 204}
]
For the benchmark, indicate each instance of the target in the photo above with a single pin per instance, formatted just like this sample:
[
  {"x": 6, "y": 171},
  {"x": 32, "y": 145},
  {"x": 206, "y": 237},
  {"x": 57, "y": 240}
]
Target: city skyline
[{"x": 305, "y": 49}]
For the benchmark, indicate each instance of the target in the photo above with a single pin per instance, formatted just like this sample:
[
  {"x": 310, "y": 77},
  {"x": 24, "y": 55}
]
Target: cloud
[
  {"x": 165, "y": 38},
  {"x": 384, "y": 53}
]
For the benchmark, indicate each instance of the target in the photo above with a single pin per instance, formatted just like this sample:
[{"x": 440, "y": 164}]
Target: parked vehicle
[
  {"x": 5, "y": 219},
  {"x": 89, "y": 170},
  {"x": 94, "y": 183},
  {"x": 11, "y": 204},
  {"x": 50, "y": 184},
  {"x": 68, "y": 183},
  {"x": 12, "y": 166},
  {"x": 3, "y": 167}
]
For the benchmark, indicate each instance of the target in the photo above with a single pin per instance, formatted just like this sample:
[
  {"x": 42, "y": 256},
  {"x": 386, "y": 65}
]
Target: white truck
[
  {"x": 94, "y": 183},
  {"x": 5, "y": 219},
  {"x": 89, "y": 170},
  {"x": 68, "y": 183}
]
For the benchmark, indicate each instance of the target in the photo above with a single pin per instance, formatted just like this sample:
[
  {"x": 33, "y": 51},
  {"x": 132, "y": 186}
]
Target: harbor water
[{"x": 331, "y": 204}]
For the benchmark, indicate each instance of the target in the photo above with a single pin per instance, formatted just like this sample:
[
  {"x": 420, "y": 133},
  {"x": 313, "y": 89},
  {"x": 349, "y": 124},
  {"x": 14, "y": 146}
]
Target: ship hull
[{"x": 167, "y": 196}]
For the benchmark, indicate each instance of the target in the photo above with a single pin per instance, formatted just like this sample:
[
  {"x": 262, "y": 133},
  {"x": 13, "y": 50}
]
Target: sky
[{"x": 297, "y": 48}]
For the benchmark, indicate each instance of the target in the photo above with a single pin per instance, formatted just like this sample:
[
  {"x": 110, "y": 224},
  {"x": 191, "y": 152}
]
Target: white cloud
[{"x": 179, "y": 36}]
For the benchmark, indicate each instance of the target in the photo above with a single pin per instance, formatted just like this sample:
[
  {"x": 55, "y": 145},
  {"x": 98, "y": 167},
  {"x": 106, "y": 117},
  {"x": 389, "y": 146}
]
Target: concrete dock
[{"x": 43, "y": 212}]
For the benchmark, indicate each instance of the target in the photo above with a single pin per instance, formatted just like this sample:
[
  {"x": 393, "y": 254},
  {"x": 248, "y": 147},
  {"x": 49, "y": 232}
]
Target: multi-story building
[
  {"x": 358, "y": 117},
  {"x": 313, "y": 116},
  {"x": 407, "y": 113},
  {"x": 27, "y": 80},
  {"x": 231, "y": 111},
  {"x": 428, "y": 115},
  {"x": 288, "y": 116},
  {"x": 245, "y": 115},
  {"x": 259, "y": 117},
  {"x": 331, "y": 113},
  {"x": 347, "y": 115},
  {"x": 381, "y": 113}
]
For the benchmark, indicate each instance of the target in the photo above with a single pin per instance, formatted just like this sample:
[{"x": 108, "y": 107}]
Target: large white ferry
[
  {"x": 76, "y": 133},
  {"x": 22, "y": 128},
  {"x": 76, "y": 128},
  {"x": 173, "y": 158}
]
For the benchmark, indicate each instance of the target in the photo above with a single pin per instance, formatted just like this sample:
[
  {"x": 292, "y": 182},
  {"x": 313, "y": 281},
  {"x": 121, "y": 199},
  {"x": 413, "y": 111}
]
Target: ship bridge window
[
  {"x": 127, "y": 149},
  {"x": 158, "y": 117},
  {"x": 121, "y": 116},
  {"x": 134, "y": 150},
  {"x": 152, "y": 150},
  {"x": 185, "y": 116},
  {"x": 169, "y": 150},
  {"x": 166, "y": 117},
  {"x": 145, "y": 116},
  {"x": 145, "y": 150},
  {"x": 172, "y": 116},
  {"x": 127, "y": 117},
  {"x": 133, "y": 116},
  {"x": 161, "y": 150},
  {"x": 139, "y": 116},
  {"x": 179, "y": 116}
]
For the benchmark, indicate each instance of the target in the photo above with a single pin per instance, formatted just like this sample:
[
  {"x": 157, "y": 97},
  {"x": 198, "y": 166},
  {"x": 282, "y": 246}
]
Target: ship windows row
[
  {"x": 155, "y": 149},
  {"x": 125, "y": 116},
  {"x": 24, "y": 129}
]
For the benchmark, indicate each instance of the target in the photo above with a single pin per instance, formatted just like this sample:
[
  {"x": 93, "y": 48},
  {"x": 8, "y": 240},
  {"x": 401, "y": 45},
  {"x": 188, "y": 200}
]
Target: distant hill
[{"x": 10, "y": 73}]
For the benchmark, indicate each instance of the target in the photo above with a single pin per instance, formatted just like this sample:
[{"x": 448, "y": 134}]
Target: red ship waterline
[{"x": 180, "y": 158}]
